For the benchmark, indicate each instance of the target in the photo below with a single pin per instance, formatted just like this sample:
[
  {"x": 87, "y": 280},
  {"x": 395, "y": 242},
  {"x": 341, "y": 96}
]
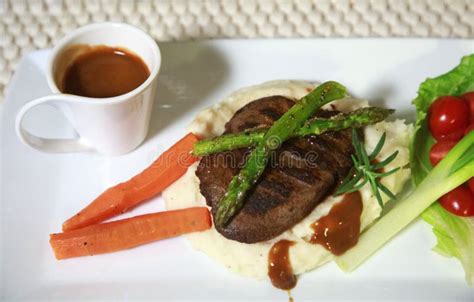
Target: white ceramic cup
[{"x": 111, "y": 126}]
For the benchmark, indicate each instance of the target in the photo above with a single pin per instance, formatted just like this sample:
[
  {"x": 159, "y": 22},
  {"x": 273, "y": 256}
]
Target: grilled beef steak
[{"x": 300, "y": 174}]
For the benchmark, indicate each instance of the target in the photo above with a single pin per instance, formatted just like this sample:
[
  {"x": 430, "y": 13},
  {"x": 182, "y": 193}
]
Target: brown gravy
[
  {"x": 340, "y": 229},
  {"x": 279, "y": 266},
  {"x": 103, "y": 72}
]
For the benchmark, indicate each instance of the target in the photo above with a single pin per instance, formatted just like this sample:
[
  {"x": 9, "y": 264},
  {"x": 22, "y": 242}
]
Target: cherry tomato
[
  {"x": 469, "y": 129},
  {"x": 448, "y": 117},
  {"x": 439, "y": 150},
  {"x": 469, "y": 97},
  {"x": 471, "y": 184},
  {"x": 459, "y": 201}
]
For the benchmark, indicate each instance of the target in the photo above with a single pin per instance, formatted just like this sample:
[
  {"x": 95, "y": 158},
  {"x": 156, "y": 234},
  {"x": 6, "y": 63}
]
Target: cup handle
[{"x": 51, "y": 145}]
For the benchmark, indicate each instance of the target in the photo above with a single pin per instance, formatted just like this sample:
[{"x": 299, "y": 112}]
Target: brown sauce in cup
[
  {"x": 340, "y": 229},
  {"x": 102, "y": 72}
]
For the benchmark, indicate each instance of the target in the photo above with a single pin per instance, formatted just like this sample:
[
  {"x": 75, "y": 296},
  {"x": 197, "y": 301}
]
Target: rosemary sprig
[{"x": 367, "y": 170}]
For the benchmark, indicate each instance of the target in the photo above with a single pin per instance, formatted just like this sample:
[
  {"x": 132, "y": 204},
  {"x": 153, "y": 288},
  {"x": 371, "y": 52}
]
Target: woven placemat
[{"x": 35, "y": 24}]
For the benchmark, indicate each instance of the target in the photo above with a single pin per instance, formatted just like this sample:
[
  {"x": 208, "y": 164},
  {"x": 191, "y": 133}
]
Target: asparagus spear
[
  {"x": 279, "y": 132},
  {"x": 355, "y": 119}
]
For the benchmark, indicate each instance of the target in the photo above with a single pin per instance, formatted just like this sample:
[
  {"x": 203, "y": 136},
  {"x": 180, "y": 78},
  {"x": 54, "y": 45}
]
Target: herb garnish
[{"x": 366, "y": 169}]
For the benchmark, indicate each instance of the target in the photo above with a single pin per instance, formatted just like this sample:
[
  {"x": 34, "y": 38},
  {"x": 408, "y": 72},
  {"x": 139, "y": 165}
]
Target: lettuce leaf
[{"x": 455, "y": 234}]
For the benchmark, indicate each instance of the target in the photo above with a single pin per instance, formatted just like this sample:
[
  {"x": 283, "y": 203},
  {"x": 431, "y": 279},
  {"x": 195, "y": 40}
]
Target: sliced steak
[{"x": 300, "y": 174}]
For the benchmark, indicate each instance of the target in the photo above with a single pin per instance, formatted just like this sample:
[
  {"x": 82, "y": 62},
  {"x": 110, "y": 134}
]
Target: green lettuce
[{"x": 455, "y": 235}]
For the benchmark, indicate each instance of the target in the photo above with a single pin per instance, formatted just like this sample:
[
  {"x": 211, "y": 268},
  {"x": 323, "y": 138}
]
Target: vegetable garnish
[
  {"x": 127, "y": 233},
  {"x": 355, "y": 119},
  {"x": 367, "y": 170},
  {"x": 165, "y": 170},
  {"x": 459, "y": 201},
  {"x": 455, "y": 234},
  {"x": 448, "y": 118},
  {"x": 279, "y": 132},
  {"x": 452, "y": 171}
]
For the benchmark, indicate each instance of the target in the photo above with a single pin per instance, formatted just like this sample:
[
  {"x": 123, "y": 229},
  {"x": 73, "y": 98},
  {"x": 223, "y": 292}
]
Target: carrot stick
[
  {"x": 168, "y": 168},
  {"x": 127, "y": 233}
]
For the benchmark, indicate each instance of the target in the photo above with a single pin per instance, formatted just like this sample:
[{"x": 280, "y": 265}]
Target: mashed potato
[{"x": 251, "y": 259}]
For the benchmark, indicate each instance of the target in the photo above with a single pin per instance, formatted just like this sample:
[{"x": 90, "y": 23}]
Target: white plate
[{"x": 41, "y": 190}]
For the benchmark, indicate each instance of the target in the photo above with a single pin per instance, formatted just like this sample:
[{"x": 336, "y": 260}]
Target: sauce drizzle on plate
[
  {"x": 279, "y": 266},
  {"x": 340, "y": 229}
]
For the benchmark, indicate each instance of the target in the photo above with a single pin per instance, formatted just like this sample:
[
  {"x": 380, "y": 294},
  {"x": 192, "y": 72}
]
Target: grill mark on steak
[
  {"x": 325, "y": 145},
  {"x": 303, "y": 175},
  {"x": 292, "y": 159},
  {"x": 250, "y": 113},
  {"x": 248, "y": 125},
  {"x": 275, "y": 186},
  {"x": 298, "y": 177},
  {"x": 262, "y": 202},
  {"x": 270, "y": 113}
]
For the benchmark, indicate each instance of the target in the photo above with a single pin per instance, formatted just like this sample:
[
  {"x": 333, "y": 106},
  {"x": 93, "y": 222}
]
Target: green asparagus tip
[{"x": 332, "y": 89}]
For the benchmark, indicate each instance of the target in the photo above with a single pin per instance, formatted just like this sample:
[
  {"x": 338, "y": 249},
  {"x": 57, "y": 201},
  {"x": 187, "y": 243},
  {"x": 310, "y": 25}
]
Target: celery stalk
[{"x": 456, "y": 168}]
